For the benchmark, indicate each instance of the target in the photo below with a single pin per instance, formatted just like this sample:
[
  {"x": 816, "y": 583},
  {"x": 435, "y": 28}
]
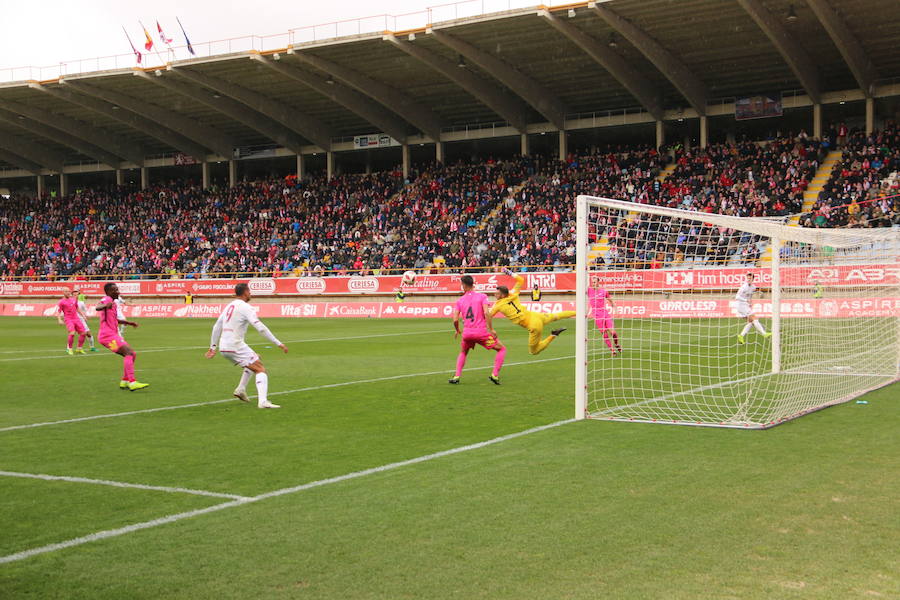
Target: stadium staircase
[
  {"x": 601, "y": 247},
  {"x": 810, "y": 196},
  {"x": 491, "y": 214}
]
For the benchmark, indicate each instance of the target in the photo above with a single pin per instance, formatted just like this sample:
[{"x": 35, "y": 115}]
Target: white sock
[
  {"x": 92, "y": 341},
  {"x": 759, "y": 326},
  {"x": 262, "y": 387},
  {"x": 245, "y": 377},
  {"x": 746, "y": 329}
]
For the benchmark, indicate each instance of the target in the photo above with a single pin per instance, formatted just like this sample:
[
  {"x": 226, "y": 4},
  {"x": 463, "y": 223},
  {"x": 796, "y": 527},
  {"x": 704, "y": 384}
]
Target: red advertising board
[
  {"x": 648, "y": 279},
  {"x": 627, "y": 309}
]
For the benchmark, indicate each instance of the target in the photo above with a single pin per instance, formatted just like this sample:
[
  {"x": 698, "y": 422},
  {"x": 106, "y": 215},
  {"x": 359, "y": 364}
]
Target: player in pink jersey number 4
[{"x": 474, "y": 308}]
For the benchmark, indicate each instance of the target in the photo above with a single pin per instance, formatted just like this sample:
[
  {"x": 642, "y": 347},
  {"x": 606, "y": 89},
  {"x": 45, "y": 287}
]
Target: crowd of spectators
[
  {"x": 864, "y": 190},
  {"x": 518, "y": 212}
]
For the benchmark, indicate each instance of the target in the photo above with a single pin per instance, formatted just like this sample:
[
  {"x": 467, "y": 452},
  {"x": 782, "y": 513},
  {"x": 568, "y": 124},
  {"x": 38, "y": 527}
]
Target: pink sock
[
  {"x": 71, "y": 339},
  {"x": 498, "y": 361},
  {"x": 460, "y": 363},
  {"x": 606, "y": 339},
  {"x": 81, "y": 340},
  {"x": 129, "y": 367}
]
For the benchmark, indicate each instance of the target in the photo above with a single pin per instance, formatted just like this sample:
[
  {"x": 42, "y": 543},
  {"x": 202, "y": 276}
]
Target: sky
[{"x": 46, "y": 32}]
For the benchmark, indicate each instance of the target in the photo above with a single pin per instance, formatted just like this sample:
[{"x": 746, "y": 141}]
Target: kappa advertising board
[
  {"x": 649, "y": 279},
  {"x": 624, "y": 309}
]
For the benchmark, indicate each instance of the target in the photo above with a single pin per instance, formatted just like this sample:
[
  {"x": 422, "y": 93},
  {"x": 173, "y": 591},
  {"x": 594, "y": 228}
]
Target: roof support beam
[
  {"x": 22, "y": 163},
  {"x": 631, "y": 79},
  {"x": 422, "y": 118},
  {"x": 231, "y": 108},
  {"x": 684, "y": 80},
  {"x": 112, "y": 144},
  {"x": 309, "y": 127},
  {"x": 522, "y": 85},
  {"x": 794, "y": 54},
  {"x": 854, "y": 54},
  {"x": 509, "y": 108},
  {"x": 147, "y": 126},
  {"x": 36, "y": 153},
  {"x": 208, "y": 137},
  {"x": 61, "y": 137},
  {"x": 347, "y": 97}
]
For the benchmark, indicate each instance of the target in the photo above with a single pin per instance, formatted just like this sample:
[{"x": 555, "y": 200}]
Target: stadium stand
[{"x": 511, "y": 212}]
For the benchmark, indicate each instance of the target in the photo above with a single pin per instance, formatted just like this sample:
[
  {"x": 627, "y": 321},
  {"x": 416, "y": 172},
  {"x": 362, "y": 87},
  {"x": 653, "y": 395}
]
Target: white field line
[
  {"x": 121, "y": 484},
  {"x": 110, "y": 533},
  {"x": 281, "y": 393},
  {"x": 104, "y": 352}
]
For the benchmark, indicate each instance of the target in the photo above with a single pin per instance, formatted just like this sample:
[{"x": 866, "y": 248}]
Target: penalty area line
[
  {"x": 121, "y": 484},
  {"x": 281, "y": 393},
  {"x": 111, "y": 533}
]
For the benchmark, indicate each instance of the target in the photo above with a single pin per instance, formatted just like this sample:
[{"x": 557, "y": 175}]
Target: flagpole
[{"x": 130, "y": 43}]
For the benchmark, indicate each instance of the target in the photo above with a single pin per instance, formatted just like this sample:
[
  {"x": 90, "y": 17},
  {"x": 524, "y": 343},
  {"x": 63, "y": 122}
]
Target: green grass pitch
[{"x": 588, "y": 510}]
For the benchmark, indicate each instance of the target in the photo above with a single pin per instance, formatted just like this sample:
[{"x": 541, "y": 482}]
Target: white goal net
[{"x": 669, "y": 332}]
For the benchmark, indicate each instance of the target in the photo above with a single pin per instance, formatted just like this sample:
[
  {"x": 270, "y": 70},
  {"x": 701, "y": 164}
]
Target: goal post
[{"x": 820, "y": 328}]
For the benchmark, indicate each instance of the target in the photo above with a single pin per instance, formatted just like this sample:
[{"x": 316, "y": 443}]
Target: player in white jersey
[
  {"x": 82, "y": 314},
  {"x": 745, "y": 311},
  {"x": 120, "y": 314},
  {"x": 228, "y": 338}
]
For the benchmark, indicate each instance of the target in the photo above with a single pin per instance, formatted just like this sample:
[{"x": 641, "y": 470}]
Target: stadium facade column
[
  {"x": 40, "y": 185},
  {"x": 660, "y": 134},
  {"x": 524, "y": 145},
  {"x": 63, "y": 184},
  {"x": 439, "y": 151},
  {"x": 204, "y": 174},
  {"x": 301, "y": 167},
  {"x": 870, "y": 115},
  {"x": 563, "y": 144},
  {"x": 817, "y": 121},
  {"x": 232, "y": 172},
  {"x": 405, "y": 150},
  {"x": 120, "y": 177},
  {"x": 704, "y": 131},
  {"x": 145, "y": 178},
  {"x": 329, "y": 164}
]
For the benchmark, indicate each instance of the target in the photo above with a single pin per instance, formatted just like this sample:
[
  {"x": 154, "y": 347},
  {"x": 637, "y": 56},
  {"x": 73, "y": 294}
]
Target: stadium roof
[{"x": 523, "y": 70}]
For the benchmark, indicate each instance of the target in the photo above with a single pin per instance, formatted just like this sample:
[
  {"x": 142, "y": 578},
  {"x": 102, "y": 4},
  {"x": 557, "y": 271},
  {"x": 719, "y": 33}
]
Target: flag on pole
[
  {"x": 148, "y": 45},
  {"x": 186, "y": 40},
  {"x": 137, "y": 53},
  {"x": 162, "y": 36}
]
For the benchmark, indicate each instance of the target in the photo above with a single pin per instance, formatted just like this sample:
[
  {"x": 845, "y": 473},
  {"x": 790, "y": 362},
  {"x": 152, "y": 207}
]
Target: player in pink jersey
[
  {"x": 67, "y": 314},
  {"x": 109, "y": 336},
  {"x": 477, "y": 328},
  {"x": 598, "y": 299}
]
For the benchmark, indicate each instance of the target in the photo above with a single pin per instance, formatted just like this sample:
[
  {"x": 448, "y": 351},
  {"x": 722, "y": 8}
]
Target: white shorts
[
  {"x": 241, "y": 356},
  {"x": 743, "y": 309}
]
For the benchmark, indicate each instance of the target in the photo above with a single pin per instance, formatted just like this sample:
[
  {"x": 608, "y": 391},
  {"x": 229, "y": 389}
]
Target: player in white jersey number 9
[{"x": 228, "y": 338}]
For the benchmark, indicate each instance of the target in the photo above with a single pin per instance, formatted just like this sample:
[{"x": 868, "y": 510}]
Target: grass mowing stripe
[
  {"x": 121, "y": 484},
  {"x": 109, "y": 533},
  {"x": 169, "y": 348},
  {"x": 281, "y": 393}
]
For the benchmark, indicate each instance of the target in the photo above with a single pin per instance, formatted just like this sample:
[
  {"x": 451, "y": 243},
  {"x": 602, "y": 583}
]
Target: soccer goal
[{"x": 667, "y": 286}]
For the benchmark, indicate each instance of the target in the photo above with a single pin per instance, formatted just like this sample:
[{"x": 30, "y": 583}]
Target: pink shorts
[
  {"x": 113, "y": 343},
  {"x": 482, "y": 339},
  {"x": 76, "y": 326},
  {"x": 604, "y": 321}
]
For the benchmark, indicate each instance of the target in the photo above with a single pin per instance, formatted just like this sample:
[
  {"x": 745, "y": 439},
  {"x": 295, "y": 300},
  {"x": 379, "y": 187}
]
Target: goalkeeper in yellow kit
[{"x": 508, "y": 304}]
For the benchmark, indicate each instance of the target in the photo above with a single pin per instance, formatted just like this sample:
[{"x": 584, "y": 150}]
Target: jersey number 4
[{"x": 470, "y": 315}]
